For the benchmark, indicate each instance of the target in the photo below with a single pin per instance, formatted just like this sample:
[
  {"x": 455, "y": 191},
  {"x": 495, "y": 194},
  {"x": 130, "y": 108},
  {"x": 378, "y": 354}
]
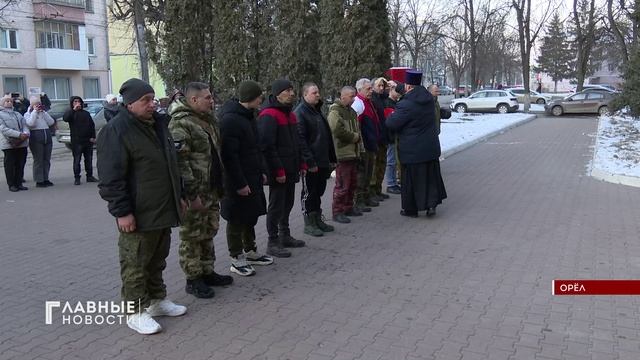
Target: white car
[
  {"x": 536, "y": 97},
  {"x": 486, "y": 100}
]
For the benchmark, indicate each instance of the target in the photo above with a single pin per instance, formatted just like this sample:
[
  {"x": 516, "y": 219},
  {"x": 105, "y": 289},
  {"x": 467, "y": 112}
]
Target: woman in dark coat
[
  {"x": 418, "y": 149},
  {"x": 244, "y": 199}
]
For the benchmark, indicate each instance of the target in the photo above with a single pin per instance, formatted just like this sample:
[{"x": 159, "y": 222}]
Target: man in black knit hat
[{"x": 278, "y": 141}]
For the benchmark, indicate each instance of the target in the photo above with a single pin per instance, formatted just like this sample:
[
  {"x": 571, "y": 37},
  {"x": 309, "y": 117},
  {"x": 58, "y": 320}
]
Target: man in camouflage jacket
[{"x": 197, "y": 142}]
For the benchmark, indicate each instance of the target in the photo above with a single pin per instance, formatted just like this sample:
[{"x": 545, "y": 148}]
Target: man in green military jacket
[{"x": 197, "y": 142}]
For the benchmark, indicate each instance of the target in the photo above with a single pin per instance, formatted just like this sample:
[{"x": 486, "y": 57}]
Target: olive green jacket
[{"x": 347, "y": 138}]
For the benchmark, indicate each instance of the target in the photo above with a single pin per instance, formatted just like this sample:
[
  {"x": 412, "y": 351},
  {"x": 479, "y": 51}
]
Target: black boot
[
  {"x": 275, "y": 248},
  {"x": 289, "y": 241},
  {"x": 341, "y": 218},
  {"x": 321, "y": 224},
  {"x": 199, "y": 289},
  {"x": 431, "y": 212},
  {"x": 77, "y": 181},
  {"x": 353, "y": 212},
  {"x": 90, "y": 178},
  {"x": 215, "y": 279}
]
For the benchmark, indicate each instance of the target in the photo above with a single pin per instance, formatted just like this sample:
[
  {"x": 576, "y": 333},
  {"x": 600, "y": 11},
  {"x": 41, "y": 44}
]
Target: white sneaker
[
  {"x": 240, "y": 266},
  {"x": 165, "y": 308},
  {"x": 143, "y": 323},
  {"x": 255, "y": 258}
]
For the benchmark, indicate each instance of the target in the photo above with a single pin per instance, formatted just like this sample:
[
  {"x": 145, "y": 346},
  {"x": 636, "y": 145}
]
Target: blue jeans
[{"x": 390, "y": 173}]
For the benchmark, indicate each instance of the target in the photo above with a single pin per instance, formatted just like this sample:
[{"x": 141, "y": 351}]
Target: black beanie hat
[
  {"x": 400, "y": 88},
  {"x": 280, "y": 85},
  {"x": 249, "y": 90},
  {"x": 133, "y": 89}
]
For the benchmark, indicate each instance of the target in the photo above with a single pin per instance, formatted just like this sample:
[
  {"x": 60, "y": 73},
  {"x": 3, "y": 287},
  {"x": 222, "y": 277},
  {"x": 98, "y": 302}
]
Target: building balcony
[
  {"x": 70, "y": 3},
  {"x": 62, "y": 59}
]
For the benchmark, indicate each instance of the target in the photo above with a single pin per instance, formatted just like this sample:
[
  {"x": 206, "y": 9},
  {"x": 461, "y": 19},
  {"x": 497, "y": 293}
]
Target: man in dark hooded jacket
[
  {"x": 278, "y": 140},
  {"x": 418, "y": 148},
  {"x": 83, "y": 136}
]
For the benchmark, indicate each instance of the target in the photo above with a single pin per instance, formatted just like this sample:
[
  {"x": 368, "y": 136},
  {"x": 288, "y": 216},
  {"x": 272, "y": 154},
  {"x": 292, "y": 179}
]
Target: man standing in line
[
  {"x": 278, "y": 140},
  {"x": 393, "y": 186},
  {"x": 348, "y": 143},
  {"x": 197, "y": 143},
  {"x": 378, "y": 99},
  {"x": 83, "y": 136},
  {"x": 318, "y": 153},
  {"x": 245, "y": 175},
  {"x": 141, "y": 183},
  {"x": 370, "y": 131}
]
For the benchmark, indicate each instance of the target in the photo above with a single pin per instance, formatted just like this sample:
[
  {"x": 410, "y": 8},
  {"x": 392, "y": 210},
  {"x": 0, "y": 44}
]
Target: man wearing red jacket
[{"x": 278, "y": 140}]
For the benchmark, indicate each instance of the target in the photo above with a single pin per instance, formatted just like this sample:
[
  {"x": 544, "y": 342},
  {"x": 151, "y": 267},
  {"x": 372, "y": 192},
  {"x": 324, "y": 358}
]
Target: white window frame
[
  {"x": 91, "y": 50},
  {"x": 6, "y": 33}
]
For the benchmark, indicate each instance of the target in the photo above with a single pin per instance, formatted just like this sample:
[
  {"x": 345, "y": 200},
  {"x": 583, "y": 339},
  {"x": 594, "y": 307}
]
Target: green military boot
[
  {"x": 311, "y": 226},
  {"x": 321, "y": 224}
]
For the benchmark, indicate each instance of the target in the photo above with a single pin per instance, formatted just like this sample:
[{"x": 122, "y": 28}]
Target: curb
[
  {"x": 461, "y": 147},
  {"x": 615, "y": 178}
]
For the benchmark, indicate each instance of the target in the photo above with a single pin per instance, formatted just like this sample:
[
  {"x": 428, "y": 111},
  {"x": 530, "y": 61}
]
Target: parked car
[
  {"x": 95, "y": 107},
  {"x": 584, "y": 102},
  {"x": 536, "y": 97},
  {"x": 600, "y": 87},
  {"x": 486, "y": 100},
  {"x": 445, "y": 90}
]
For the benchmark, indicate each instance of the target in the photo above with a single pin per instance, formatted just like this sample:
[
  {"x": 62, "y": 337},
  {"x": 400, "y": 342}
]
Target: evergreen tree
[
  {"x": 370, "y": 48},
  {"x": 296, "y": 29},
  {"x": 261, "y": 40},
  {"x": 231, "y": 63},
  {"x": 631, "y": 89},
  {"x": 334, "y": 46},
  {"x": 186, "y": 53},
  {"x": 556, "y": 56}
]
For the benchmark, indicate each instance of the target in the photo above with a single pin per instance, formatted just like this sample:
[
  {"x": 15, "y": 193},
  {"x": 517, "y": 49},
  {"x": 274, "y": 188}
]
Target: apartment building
[{"x": 59, "y": 47}]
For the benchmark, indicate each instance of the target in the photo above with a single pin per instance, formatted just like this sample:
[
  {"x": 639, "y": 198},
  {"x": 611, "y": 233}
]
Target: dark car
[{"x": 584, "y": 102}]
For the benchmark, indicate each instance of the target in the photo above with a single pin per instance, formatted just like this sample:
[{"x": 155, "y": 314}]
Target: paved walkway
[{"x": 472, "y": 283}]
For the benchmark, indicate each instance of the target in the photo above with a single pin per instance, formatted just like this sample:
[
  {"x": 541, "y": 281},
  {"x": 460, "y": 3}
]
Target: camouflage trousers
[
  {"x": 197, "y": 231},
  {"x": 142, "y": 260}
]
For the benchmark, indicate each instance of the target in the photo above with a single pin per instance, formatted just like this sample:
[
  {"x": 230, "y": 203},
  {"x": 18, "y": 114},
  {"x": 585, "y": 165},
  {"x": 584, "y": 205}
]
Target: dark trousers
[
  {"x": 313, "y": 186},
  {"x": 14, "y": 160},
  {"x": 240, "y": 237},
  {"x": 379, "y": 168},
  {"x": 365, "y": 173},
  {"x": 86, "y": 151},
  {"x": 142, "y": 259},
  {"x": 281, "y": 198},
  {"x": 345, "y": 188},
  {"x": 41, "y": 147}
]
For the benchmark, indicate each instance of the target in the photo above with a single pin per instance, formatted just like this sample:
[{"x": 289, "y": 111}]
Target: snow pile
[
  {"x": 464, "y": 130},
  {"x": 617, "y": 154},
  {"x": 532, "y": 107}
]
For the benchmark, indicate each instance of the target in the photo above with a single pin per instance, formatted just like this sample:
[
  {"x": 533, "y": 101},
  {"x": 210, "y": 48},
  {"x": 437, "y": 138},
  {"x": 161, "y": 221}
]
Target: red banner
[{"x": 596, "y": 287}]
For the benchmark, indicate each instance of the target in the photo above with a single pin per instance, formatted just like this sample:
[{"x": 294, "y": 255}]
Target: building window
[
  {"x": 13, "y": 84},
  {"x": 91, "y": 50},
  {"x": 8, "y": 39},
  {"x": 75, "y": 3},
  {"x": 91, "y": 88},
  {"x": 57, "y": 35},
  {"x": 89, "y": 6},
  {"x": 58, "y": 88}
]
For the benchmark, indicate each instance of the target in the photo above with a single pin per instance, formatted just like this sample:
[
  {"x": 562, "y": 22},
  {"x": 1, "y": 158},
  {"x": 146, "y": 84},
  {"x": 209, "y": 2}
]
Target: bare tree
[
  {"x": 624, "y": 26},
  {"x": 396, "y": 20},
  {"x": 456, "y": 50},
  {"x": 419, "y": 32},
  {"x": 585, "y": 20},
  {"x": 6, "y": 5},
  {"x": 528, "y": 31}
]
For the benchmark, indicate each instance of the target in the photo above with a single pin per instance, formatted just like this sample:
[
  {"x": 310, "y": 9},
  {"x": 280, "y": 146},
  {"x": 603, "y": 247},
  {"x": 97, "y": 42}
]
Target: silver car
[{"x": 584, "y": 102}]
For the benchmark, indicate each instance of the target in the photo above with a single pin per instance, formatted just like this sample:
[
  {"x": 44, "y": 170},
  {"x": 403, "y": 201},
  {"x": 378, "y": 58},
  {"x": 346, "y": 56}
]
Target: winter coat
[
  {"x": 369, "y": 123},
  {"x": 278, "y": 140},
  {"x": 138, "y": 171},
  {"x": 441, "y": 113},
  {"x": 197, "y": 143},
  {"x": 81, "y": 124},
  {"x": 414, "y": 122},
  {"x": 12, "y": 124},
  {"x": 346, "y": 132},
  {"x": 243, "y": 163},
  {"x": 315, "y": 136},
  {"x": 110, "y": 111},
  {"x": 379, "y": 101}
]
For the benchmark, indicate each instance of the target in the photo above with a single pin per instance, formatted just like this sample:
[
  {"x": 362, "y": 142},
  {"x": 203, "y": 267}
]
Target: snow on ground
[
  {"x": 534, "y": 107},
  {"x": 617, "y": 151},
  {"x": 465, "y": 129}
]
